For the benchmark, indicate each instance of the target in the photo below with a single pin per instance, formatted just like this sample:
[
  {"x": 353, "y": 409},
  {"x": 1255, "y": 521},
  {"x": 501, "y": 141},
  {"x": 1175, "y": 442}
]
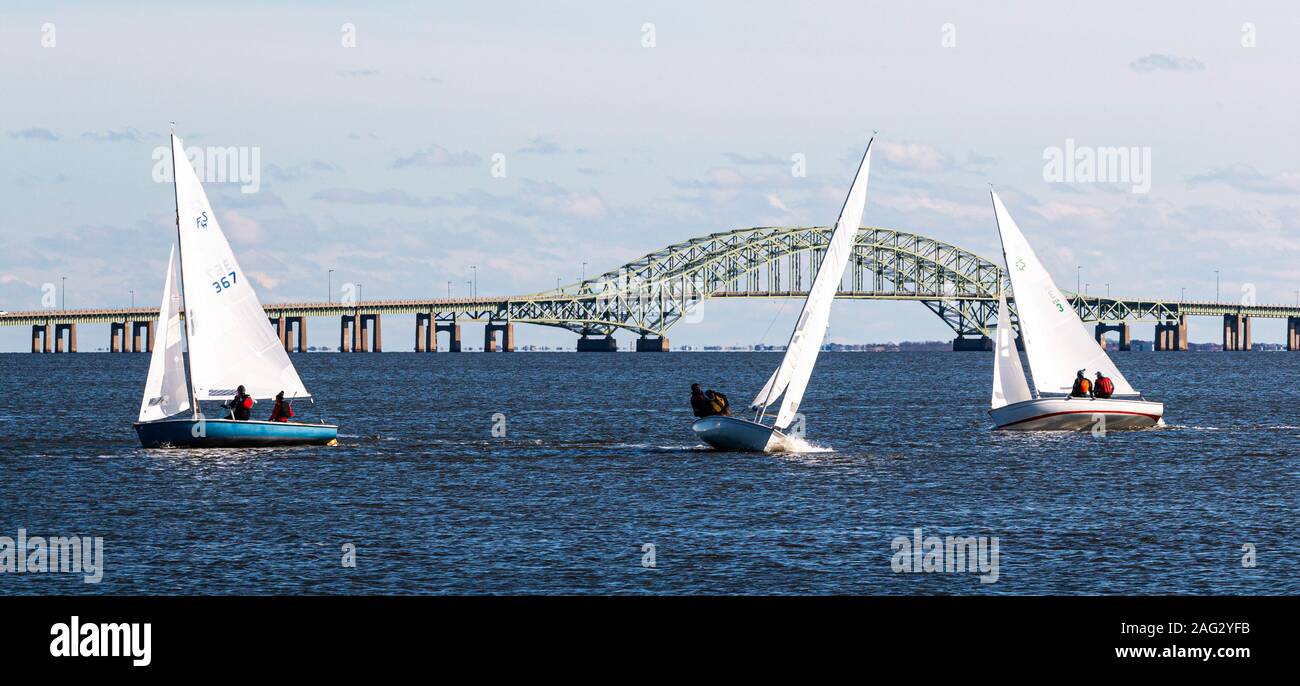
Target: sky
[{"x": 374, "y": 130}]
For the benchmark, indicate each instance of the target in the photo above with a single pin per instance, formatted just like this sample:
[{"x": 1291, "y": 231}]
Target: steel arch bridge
[{"x": 651, "y": 294}]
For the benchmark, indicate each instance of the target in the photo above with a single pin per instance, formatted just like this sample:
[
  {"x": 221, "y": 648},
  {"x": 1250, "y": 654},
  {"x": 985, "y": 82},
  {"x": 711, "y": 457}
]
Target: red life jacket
[{"x": 1105, "y": 386}]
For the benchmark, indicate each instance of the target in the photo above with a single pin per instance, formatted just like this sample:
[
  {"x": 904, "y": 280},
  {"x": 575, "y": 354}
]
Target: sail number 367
[{"x": 224, "y": 283}]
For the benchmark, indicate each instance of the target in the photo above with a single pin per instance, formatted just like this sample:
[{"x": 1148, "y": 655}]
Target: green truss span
[{"x": 650, "y": 295}]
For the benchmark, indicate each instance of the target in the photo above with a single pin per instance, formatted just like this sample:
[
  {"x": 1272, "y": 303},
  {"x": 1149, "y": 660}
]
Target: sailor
[
  {"x": 282, "y": 410},
  {"x": 718, "y": 402},
  {"x": 701, "y": 405},
  {"x": 1103, "y": 387},
  {"x": 240, "y": 406},
  {"x": 1082, "y": 387}
]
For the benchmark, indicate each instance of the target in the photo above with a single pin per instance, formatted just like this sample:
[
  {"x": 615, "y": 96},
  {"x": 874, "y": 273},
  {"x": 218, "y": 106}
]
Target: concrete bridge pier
[
  {"x": 426, "y": 337},
  {"x": 1293, "y": 333},
  {"x": 1236, "y": 332},
  {"x": 648, "y": 344},
  {"x": 346, "y": 323},
  {"x": 355, "y": 333},
  {"x": 71, "y": 330},
  {"x": 287, "y": 327},
  {"x": 138, "y": 343},
  {"x": 1125, "y": 337},
  {"x": 1171, "y": 335},
  {"x": 368, "y": 333},
  {"x": 507, "y": 337},
  {"x": 963, "y": 343},
  {"x": 41, "y": 335},
  {"x": 116, "y": 337},
  {"x": 453, "y": 331},
  {"x": 607, "y": 344}
]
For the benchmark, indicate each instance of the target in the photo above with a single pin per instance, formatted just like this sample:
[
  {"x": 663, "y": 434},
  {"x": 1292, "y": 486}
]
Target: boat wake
[{"x": 798, "y": 444}]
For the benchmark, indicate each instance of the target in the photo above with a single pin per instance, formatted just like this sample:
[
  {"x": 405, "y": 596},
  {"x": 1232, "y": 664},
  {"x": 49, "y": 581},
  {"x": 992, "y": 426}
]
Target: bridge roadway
[
  {"x": 649, "y": 295},
  {"x": 360, "y": 328}
]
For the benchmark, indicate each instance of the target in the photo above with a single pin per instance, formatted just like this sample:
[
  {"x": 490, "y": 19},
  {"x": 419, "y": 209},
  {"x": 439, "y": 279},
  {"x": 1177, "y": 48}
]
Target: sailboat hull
[
  {"x": 1077, "y": 414},
  {"x": 730, "y": 433},
  {"x": 230, "y": 433}
]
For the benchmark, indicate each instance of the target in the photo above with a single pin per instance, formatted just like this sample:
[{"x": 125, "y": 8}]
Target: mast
[{"x": 180, "y": 266}]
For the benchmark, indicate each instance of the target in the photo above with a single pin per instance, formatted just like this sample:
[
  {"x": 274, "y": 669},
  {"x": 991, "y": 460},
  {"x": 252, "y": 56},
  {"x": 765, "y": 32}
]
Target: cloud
[
  {"x": 244, "y": 230},
  {"x": 357, "y": 73},
  {"x": 436, "y": 156},
  {"x": 128, "y": 135},
  {"x": 553, "y": 199},
  {"x": 742, "y": 159},
  {"x": 912, "y": 156},
  {"x": 354, "y": 196},
  {"x": 266, "y": 282},
  {"x": 430, "y": 79},
  {"x": 716, "y": 178},
  {"x": 299, "y": 172},
  {"x": 541, "y": 145},
  {"x": 1055, "y": 210},
  {"x": 923, "y": 202},
  {"x": 1247, "y": 179},
  {"x": 35, "y": 134},
  {"x": 1162, "y": 62}
]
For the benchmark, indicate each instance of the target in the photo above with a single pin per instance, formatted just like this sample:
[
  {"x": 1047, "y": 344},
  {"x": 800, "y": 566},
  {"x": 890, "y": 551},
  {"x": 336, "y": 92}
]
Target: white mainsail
[
  {"x": 1009, "y": 385},
  {"x": 166, "y": 392},
  {"x": 791, "y": 378},
  {"x": 231, "y": 342},
  {"x": 1056, "y": 341}
]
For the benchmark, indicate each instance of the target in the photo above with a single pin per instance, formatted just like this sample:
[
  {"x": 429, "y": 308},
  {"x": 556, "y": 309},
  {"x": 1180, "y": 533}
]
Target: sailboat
[
  {"x": 1058, "y": 346},
  {"x": 210, "y": 310},
  {"x": 790, "y": 379}
]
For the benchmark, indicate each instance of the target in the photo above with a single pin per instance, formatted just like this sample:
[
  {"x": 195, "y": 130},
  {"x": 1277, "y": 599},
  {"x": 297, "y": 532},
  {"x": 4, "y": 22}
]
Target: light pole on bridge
[
  {"x": 449, "y": 290},
  {"x": 329, "y": 287},
  {"x": 474, "y": 289},
  {"x": 133, "y": 300},
  {"x": 65, "y": 293},
  {"x": 1216, "y": 286}
]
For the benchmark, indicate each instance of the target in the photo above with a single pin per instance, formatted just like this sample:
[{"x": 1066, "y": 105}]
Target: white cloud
[
  {"x": 244, "y": 230},
  {"x": 914, "y": 156}
]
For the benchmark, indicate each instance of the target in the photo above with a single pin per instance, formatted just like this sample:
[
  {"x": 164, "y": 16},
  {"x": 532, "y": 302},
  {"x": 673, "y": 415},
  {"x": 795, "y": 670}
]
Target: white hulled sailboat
[
  {"x": 791, "y": 378},
  {"x": 1058, "y": 345}
]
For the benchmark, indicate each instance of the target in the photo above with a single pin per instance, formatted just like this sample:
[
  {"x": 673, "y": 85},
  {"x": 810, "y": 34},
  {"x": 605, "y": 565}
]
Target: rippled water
[{"x": 598, "y": 459}]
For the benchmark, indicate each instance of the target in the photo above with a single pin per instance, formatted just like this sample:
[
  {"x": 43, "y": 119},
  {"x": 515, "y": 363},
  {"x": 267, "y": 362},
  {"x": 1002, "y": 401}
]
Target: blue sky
[{"x": 375, "y": 160}]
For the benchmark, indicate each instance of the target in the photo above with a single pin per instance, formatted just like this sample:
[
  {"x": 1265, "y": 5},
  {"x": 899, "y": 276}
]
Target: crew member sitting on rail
[
  {"x": 718, "y": 402},
  {"x": 282, "y": 410},
  {"x": 240, "y": 406},
  {"x": 1103, "y": 387},
  {"x": 1082, "y": 387}
]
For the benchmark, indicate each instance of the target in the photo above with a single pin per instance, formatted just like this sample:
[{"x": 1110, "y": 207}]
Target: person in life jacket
[
  {"x": 282, "y": 410},
  {"x": 240, "y": 406},
  {"x": 719, "y": 402},
  {"x": 1103, "y": 387},
  {"x": 1082, "y": 387},
  {"x": 700, "y": 403}
]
